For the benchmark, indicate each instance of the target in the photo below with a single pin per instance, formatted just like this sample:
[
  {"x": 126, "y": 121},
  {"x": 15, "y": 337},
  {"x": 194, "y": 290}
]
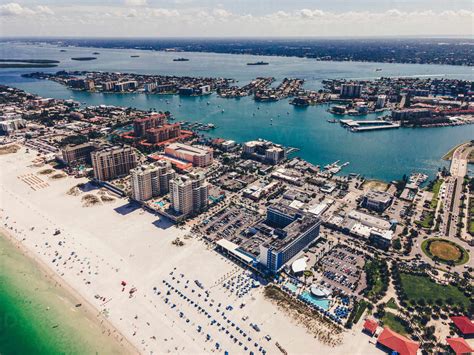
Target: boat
[
  {"x": 258, "y": 63},
  {"x": 331, "y": 121},
  {"x": 134, "y": 56},
  {"x": 378, "y": 69},
  {"x": 180, "y": 60}
]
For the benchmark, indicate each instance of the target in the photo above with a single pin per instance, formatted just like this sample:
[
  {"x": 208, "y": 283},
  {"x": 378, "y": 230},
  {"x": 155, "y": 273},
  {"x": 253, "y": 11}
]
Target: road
[{"x": 453, "y": 189}]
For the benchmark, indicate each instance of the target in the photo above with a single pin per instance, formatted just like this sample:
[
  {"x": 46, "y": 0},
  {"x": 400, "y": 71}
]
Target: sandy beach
[
  {"x": 122, "y": 262},
  {"x": 46, "y": 311}
]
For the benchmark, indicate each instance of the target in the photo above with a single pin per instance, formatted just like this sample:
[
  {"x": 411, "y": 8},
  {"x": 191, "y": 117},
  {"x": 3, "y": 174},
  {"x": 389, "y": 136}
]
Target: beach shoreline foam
[{"x": 72, "y": 323}]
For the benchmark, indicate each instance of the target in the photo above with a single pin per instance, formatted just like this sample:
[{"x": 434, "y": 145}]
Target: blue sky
[{"x": 154, "y": 18}]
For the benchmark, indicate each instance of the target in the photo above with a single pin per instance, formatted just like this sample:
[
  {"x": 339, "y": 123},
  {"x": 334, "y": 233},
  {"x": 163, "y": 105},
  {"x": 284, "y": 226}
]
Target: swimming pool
[
  {"x": 291, "y": 287},
  {"x": 320, "y": 302},
  {"x": 160, "y": 203}
]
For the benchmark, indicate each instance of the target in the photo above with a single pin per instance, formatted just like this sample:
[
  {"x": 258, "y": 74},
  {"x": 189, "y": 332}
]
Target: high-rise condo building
[
  {"x": 189, "y": 193},
  {"x": 151, "y": 180},
  {"x": 351, "y": 91},
  {"x": 141, "y": 125},
  {"x": 113, "y": 162}
]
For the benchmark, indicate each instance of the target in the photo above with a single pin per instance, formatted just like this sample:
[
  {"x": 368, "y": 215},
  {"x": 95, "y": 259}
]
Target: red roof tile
[
  {"x": 370, "y": 325},
  {"x": 459, "y": 345},
  {"x": 397, "y": 342},
  {"x": 464, "y": 324}
]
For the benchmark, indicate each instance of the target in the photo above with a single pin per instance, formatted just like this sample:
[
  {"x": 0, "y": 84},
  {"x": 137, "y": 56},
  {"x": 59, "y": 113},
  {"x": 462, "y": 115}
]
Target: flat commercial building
[
  {"x": 377, "y": 201},
  {"x": 200, "y": 157},
  {"x": 151, "y": 180},
  {"x": 189, "y": 194},
  {"x": 410, "y": 114},
  {"x": 263, "y": 151},
  {"x": 381, "y": 238},
  {"x": 12, "y": 125},
  {"x": 288, "y": 231},
  {"x": 113, "y": 162},
  {"x": 125, "y": 85},
  {"x": 80, "y": 153}
]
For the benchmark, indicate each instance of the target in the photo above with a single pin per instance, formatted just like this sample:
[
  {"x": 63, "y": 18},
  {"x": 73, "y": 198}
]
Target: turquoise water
[
  {"x": 323, "y": 303},
  {"x": 384, "y": 155},
  {"x": 291, "y": 287},
  {"x": 160, "y": 203}
]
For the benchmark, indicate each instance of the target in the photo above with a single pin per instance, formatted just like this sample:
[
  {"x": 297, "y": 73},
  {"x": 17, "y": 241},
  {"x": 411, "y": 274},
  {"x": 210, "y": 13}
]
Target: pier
[{"x": 362, "y": 126}]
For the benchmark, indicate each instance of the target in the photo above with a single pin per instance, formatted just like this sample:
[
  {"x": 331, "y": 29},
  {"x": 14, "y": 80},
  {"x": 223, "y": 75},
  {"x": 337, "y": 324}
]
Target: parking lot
[
  {"x": 342, "y": 270},
  {"x": 228, "y": 223}
]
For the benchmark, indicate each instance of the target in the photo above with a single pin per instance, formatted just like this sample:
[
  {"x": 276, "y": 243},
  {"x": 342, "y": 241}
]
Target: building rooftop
[
  {"x": 379, "y": 196},
  {"x": 188, "y": 149},
  {"x": 397, "y": 342}
]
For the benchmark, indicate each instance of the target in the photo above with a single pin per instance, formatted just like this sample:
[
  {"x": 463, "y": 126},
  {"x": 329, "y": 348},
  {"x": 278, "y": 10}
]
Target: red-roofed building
[
  {"x": 370, "y": 326},
  {"x": 464, "y": 324},
  {"x": 397, "y": 342},
  {"x": 459, "y": 346}
]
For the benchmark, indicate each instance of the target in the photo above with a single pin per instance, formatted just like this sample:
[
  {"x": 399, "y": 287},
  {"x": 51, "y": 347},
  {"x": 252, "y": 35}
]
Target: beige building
[
  {"x": 151, "y": 180},
  {"x": 80, "y": 153},
  {"x": 197, "y": 156},
  {"x": 189, "y": 193},
  {"x": 113, "y": 162}
]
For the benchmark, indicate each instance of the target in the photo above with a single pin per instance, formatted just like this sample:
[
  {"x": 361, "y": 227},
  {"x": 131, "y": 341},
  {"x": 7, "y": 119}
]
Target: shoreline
[
  {"x": 87, "y": 309},
  {"x": 53, "y": 42},
  {"x": 449, "y": 155}
]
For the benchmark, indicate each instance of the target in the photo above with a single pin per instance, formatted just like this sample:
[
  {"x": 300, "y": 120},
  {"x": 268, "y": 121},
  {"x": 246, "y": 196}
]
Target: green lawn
[
  {"x": 435, "y": 191},
  {"x": 361, "y": 306},
  {"x": 395, "y": 323},
  {"x": 392, "y": 304},
  {"x": 375, "y": 282},
  {"x": 427, "y": 219},
  {"x": 471, "y": 215},
  {"x": 422, "y": 287}
]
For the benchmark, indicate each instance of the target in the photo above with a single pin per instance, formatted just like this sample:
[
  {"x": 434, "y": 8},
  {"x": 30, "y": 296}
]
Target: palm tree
[{"x": 306, "y": 274}]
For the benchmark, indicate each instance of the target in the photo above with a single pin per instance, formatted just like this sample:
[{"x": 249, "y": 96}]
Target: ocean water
[
  {"x": 38, "y": 317},
  {"x": 385, "y": 155}
]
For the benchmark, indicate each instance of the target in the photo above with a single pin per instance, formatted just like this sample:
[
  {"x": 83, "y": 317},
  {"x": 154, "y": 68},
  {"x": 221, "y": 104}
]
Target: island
[
  {"x": 258, "y": 63},
  {"x": 83, "y": 58},
  {"x": 28, "y": 63}
]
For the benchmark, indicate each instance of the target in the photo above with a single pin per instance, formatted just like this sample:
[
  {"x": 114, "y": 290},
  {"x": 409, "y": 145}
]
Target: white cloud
[
  {"x": 15, "y": 9},
  {"x": 165, "y": 13},
  {"x": 306, "y": 13},
  {"x": 219, "y": 21},
  {"x": 221, "y": 13},
  {"x": 136, "y": 2},
  {"x": 44, "y": 10}
]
